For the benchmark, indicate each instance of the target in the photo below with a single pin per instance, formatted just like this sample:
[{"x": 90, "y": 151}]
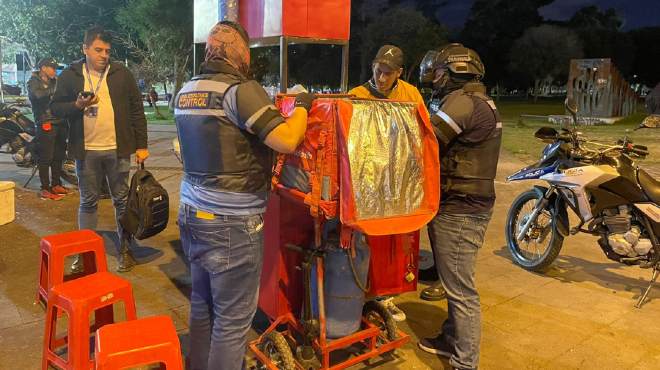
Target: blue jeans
[
  {"x": 92, "y": 171},
  {"x": 226, "y": 255},
  {"x": 456, "y": 238}
]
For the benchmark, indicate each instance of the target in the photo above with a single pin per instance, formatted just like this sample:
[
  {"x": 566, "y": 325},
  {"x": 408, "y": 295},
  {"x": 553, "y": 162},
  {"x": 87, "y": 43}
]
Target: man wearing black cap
[
  {"x": 51, "y": 132},
  {"x": 385, "y": 83},
  {"x": 387, "y": 68}
]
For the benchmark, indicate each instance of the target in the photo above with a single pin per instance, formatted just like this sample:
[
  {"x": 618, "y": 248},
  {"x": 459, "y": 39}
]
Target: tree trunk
[
  {"x": 180, "y": 65},
  {"x": 536, "y": 90}
]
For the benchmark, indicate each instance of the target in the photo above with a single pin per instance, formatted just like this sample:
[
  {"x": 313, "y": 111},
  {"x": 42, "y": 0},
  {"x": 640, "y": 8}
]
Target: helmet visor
[{"x": 427, "y": 67}]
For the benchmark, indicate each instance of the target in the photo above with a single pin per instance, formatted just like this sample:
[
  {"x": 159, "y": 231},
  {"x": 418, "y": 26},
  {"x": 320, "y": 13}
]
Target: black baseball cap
[
  {"x": 48, "y": 62},
  {"x": 390, "y": 55}
]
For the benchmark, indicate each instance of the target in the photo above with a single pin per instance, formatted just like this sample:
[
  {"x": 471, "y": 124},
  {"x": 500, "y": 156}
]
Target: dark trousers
[
  {"x": 51, "y": 151},
  {"x": 456, "y": 239}
]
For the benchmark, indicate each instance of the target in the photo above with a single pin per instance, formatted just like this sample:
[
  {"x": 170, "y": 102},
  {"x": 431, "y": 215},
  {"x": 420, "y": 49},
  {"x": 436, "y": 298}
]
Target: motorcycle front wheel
[{"x": 541, "y": 244}]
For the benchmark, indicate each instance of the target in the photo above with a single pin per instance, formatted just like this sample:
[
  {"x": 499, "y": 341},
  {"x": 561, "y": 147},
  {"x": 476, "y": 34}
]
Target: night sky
[{"x": 635, "y": 13}]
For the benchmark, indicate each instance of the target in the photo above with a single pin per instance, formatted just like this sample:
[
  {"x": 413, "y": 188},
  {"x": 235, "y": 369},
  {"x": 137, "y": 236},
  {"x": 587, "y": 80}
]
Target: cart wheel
[
  {"x": 377, "y": 314},
  {"x": 276, "y": 348}
]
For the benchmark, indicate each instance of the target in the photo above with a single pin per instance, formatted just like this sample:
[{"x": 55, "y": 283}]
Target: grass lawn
[
  {"x": 518, "y": 135},
  {"x": 167, "y": 115}
]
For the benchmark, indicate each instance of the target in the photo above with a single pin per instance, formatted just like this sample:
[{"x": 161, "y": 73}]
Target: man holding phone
[{"x": 103, "y": 104}]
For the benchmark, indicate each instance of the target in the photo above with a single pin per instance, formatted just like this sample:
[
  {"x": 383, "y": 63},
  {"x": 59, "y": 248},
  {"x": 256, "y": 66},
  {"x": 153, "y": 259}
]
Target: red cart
[
  {"x": 285, "y": 295},
  {"x": 296, "y": 339}
]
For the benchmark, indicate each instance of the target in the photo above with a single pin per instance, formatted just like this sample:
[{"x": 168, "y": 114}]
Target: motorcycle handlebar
[{"x": 639, "y": 151}]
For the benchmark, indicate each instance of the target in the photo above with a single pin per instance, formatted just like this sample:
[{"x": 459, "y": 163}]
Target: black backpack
[{"x": 148, "y": 206}]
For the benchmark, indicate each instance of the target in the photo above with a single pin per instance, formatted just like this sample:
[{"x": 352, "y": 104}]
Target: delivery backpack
[
  {"x": 373, "y": 163},
  {"x": 147, "y": 208}
]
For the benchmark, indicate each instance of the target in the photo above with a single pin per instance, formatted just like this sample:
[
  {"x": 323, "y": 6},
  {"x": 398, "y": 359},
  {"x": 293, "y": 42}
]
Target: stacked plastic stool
[
  {"x": 96, "y": 292},
  {"x": 79, "y": 299},
  {"x": 137, "y": 343},
  {"x": 54, "y": 250}
]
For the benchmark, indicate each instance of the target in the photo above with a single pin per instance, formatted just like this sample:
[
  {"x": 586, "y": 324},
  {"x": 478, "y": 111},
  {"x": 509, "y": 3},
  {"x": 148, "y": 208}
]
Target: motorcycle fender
[
  {"x": 540, "y": 190},
  {"x": 562, "y": 224},
  {"x": 651, "y": 210}
]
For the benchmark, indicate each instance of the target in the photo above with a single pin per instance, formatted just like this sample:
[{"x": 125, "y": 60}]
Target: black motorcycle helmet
[{"x": 461, "y": 63}]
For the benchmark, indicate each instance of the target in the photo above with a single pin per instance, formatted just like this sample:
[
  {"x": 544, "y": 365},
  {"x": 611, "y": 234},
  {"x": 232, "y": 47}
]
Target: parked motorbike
[
  {"x": 17, "y": 135},
  {"x": 612, "y": 196}
]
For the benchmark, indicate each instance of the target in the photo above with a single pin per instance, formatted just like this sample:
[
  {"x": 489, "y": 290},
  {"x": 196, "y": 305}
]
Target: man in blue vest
[
  {"x": 469, "y": 132},
  {"x": 228, "y": 129}
]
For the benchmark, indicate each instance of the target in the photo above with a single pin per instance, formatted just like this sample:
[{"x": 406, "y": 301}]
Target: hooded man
[{"x": 228, "y": 129}]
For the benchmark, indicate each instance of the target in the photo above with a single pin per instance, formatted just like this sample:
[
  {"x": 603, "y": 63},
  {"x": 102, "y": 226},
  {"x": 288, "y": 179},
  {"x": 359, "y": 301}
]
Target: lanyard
[{"x": 91, "y": 83}]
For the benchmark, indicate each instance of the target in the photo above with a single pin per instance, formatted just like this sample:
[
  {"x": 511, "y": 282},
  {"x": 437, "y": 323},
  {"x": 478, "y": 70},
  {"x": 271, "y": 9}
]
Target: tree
[
  {"x": 493, "y": 26},
  {"x": 602, "y": 37},
  {"x": 593, "y": 17},
  {"x": 54, "y": 28},
  {"x": 366, "y": 12},
  {"x": 647, "y": 54},
  {"x": 406, "y": 28},
  {"x": 159, "y": 34},
  {"x": 544, "y": 52}
]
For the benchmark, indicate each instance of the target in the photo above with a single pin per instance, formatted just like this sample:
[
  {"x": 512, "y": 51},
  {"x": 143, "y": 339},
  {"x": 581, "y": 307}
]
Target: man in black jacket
[
  {"x": 51, "y": 132},
  {"x": 469, "y": 133},
  {"x": 104, "y": 107}
]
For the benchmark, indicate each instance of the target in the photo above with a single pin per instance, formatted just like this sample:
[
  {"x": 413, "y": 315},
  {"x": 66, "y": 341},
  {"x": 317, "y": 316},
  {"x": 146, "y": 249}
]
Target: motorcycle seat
[{"x": 650, "y": 186}]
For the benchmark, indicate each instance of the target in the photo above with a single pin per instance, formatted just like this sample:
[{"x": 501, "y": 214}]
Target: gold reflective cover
[{"x": 385, "y": 155}]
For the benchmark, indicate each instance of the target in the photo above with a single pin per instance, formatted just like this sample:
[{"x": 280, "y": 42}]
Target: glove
[{"x": 305, "y": 100}]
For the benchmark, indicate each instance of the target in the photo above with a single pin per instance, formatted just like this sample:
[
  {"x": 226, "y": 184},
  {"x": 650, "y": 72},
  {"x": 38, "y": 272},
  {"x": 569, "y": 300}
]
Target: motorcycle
[
  {"x": 617, "y": 200},
  {"x": 17, "y": 135}
]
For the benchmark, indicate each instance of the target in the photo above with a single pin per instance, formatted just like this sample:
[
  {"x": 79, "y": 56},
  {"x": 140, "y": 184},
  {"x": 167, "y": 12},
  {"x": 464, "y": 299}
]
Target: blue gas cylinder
[{"x": 344, "y": 298}]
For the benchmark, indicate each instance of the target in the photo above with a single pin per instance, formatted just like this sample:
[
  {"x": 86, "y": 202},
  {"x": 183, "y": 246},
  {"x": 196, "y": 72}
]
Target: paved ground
[{"x": 579, "y": 315}]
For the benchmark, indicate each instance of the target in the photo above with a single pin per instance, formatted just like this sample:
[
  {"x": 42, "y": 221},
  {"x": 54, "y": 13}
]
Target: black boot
[
  {"x": 429, "y": 274},
  {"x": 433, "y": 293},
  {"x": 125, "y": 258}
]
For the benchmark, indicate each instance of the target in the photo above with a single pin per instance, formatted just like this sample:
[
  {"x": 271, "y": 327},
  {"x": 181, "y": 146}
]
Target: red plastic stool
[
  {"x": 79, "y": 298},
  {"x": 137, "y": 343},
  {"x": 55, "y": 248}
]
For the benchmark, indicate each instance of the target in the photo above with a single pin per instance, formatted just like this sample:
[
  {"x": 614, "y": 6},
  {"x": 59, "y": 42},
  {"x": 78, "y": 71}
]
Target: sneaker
[
  {"x": 126, "y": 262},
  {"x": 436, "y": 346},
  {"x": 396, "y": 312},
  {"x": 45, "y": 194},
  {"x": 59, "y": 189}
]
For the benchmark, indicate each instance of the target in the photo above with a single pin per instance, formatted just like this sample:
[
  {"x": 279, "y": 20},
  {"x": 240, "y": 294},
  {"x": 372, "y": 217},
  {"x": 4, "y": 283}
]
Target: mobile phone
[{"x": 86, "y": 94}]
